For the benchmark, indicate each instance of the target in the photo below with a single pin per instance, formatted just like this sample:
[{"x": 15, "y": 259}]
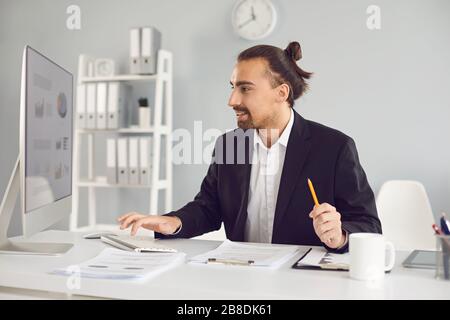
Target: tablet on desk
[{"x": 422, "y": 259}]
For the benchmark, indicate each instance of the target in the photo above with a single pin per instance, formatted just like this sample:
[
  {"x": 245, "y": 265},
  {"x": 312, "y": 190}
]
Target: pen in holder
[{"x": 443, "y": 257}]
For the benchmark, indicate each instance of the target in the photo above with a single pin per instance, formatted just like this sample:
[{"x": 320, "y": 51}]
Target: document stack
[
  {"x": 128, "y": 160},
  {"x": 115, "y": 264}
]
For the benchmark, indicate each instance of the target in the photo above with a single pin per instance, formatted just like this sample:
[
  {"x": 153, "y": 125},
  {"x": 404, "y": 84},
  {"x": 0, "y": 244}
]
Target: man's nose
[{"x": 235, "y": 99}]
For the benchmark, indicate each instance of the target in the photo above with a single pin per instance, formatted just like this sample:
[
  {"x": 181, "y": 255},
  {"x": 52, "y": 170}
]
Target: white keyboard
[{"x": 136, "y": 243}]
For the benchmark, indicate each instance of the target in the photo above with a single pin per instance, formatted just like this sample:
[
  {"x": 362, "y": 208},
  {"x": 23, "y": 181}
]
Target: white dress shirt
[{"x": 267, "y": 166}]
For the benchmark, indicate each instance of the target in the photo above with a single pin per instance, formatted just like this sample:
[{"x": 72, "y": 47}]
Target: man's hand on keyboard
[{"x": 162, "y": 224}]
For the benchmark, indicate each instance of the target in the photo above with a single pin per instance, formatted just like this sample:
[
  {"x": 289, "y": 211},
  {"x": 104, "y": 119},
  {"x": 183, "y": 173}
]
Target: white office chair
[
  {"x": 406, "y": 215},
  {"x": 218, "y": 235}
]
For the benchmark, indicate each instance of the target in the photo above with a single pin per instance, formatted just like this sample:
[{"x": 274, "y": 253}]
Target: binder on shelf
[
  {"x": 122, "y": 160},
  {"x": 84, "y": 66},
  {"x": 81, "y": 106},
  {"x": 113, "y": 105},
  {"x": 111, "y": 161},
  {"x": 116, "y": 105},
  {"x": 135, "y": 50},
  {"x": 144, "y": 160},
  {"x": 150, "y": 44},
  {"x": 102, "y": 91},
  {"x": 90, "y": 68},
  {"x": 90, "y": 105},
  {"x": 133, "y": 166}
]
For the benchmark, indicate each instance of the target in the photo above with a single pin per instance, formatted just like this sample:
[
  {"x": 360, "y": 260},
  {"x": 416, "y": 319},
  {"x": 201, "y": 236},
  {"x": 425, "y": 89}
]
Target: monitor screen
[{"x": 48, "y": 132}]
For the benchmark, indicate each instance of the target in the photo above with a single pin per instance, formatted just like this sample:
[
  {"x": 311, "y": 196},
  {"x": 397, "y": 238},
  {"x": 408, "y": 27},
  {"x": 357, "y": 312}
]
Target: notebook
[{"x": 137, "y": 243}]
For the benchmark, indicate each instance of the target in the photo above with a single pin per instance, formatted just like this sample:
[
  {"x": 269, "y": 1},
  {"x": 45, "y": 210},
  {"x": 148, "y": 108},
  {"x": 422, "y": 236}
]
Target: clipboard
[{"x": 328, "y": 266}]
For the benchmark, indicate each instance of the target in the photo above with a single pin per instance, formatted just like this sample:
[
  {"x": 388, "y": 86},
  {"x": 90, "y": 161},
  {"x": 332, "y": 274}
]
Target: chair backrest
[{"x": 406, "y": 215}]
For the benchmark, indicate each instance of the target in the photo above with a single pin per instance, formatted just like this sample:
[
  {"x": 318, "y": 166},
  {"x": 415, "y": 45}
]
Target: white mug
[{"x": 368, "y": 256}]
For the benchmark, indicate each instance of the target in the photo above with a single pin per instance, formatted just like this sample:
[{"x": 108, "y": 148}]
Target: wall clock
[{"x": 253, "y": 19}]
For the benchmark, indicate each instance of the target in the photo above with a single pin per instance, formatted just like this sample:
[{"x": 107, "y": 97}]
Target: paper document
[
  {"x": 113, "y": 263},
  {"x": 234, "y": 253},
  {"x": 321, "y": 258}
]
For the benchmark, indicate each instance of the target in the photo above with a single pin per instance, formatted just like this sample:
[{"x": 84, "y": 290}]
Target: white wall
[{"x": 388, "y": 89}]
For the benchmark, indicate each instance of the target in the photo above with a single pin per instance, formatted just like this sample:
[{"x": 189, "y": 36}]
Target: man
[{"x": 257, "y": 182}]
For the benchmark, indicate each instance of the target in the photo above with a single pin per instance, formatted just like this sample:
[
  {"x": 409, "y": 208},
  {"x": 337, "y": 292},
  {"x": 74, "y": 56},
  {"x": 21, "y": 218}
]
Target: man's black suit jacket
[{"x": 326, "y": 156}]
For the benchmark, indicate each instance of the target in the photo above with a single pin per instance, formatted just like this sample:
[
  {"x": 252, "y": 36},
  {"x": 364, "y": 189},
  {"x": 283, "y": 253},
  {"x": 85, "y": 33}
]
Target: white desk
[{"x": 27, "y": 277}]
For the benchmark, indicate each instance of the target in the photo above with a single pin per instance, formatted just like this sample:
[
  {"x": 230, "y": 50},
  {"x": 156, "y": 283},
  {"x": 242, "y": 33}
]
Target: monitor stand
[{"x": 6, "y": 209}]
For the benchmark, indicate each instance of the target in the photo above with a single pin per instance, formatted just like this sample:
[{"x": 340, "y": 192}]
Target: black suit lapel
[
  {"x": 296, "y": 155},
  {"x": 244, "y": 142}
]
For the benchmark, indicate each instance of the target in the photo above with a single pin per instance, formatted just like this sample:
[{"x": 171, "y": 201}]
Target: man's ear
[{"x": 283, "y": 92}]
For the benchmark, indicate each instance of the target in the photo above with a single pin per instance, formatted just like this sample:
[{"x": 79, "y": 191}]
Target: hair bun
[{"x": 294, "y": 51}]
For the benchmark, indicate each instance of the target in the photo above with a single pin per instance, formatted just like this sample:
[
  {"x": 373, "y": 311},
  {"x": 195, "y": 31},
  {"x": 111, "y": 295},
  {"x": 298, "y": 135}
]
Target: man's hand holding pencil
[{"x": 327, "y": 222}]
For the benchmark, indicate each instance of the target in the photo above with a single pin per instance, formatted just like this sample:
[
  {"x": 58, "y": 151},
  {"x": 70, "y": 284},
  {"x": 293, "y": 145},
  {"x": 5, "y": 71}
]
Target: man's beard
[{"x": 245, "y": 124}]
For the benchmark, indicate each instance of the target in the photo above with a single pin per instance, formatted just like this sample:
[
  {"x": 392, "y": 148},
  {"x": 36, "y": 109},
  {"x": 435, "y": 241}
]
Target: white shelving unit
[{"x": 163, "y": 97}]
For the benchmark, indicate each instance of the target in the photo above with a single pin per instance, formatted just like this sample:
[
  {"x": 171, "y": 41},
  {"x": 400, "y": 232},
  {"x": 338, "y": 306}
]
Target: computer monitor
[{"x": 43, "y": 171}]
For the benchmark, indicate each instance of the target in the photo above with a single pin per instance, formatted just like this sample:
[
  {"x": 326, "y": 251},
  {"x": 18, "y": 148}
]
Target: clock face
[
  {"x": 253, "y": 19},
  {"x": 104, "y": 67}
]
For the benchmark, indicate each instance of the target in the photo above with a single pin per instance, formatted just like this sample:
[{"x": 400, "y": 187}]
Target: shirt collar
[{"x": 283, "y": 139}]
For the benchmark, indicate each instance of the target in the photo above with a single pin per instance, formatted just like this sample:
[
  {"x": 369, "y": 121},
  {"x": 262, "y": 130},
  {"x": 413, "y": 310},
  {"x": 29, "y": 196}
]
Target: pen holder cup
[{"x": 443, "y": 257}]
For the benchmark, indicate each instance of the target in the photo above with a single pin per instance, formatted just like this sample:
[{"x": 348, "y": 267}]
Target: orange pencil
[{"x": 313, "y": 193}]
